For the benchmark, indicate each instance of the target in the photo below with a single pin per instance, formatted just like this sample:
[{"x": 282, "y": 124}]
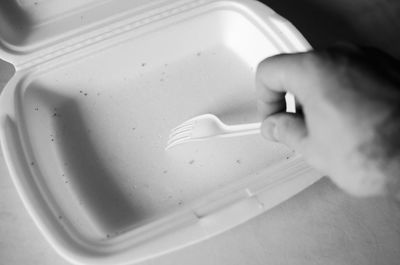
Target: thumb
[{"x": 287, "y": 128}]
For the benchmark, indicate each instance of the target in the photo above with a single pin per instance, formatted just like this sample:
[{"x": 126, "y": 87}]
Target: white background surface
[{"x": 321, "y": 225}]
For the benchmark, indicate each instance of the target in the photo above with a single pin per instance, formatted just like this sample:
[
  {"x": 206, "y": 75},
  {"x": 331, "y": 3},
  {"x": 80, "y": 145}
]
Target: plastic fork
[{"x": 208, "y": 126}]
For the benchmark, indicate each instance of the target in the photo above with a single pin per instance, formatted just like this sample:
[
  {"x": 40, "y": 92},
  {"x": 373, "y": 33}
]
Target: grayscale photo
[{"x": 199, "y": 132}]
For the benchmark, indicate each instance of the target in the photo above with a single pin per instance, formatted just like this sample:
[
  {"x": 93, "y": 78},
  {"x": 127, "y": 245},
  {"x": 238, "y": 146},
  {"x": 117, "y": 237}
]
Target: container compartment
[
  {"x": 86, "y": 117},
  {"x": 98, "y": 126}
]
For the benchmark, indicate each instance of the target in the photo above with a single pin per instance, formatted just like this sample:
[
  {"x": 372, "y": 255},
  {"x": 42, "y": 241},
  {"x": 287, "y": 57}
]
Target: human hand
[{"x": 348, "y": 126}]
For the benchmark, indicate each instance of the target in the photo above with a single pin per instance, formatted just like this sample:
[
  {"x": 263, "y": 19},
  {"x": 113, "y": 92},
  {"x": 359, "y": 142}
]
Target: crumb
[
  {"x": 238, "y": 161},
  {"x": 66, "y": 182},
  {"x": 32, "y": 163},
  {"x": 60, "y": 217},
  {"x": 191, "y": 162},
  {"x": 36, "y": 108},
  {"x": 54, "y": 114},
  {"x": 143, "y": 64},
  {"x": 80, "y": 91},
  {"x": 133, "y": 128},
  {"x": 287, "y": 157},
  {"x": 85, "y": 94},
  {"x": 108, "y": 236},
  {"x": 180, "y": 202}
]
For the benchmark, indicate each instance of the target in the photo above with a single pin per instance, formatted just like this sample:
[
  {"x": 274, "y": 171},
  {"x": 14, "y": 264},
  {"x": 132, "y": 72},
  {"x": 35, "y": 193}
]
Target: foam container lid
[{"x": 86, "y": 117}]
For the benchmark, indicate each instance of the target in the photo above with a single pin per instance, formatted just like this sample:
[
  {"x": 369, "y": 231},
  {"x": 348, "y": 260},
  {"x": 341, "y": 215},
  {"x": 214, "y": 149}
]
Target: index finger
[{"x": 279, "y": 74}]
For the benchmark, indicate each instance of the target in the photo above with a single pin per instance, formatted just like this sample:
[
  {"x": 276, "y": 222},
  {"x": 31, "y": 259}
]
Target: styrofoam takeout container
[{"x": 85, "y": 120}]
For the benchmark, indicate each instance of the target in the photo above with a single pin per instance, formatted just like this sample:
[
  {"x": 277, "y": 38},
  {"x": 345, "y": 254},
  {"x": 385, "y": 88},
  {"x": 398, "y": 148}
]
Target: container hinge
[{"x": 110, "y": 31}]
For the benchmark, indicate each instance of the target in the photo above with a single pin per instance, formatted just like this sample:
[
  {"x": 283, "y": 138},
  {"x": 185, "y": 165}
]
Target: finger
[
  {"x": 264, "y": 93},
  {"x": 269, "y": 101},
  {"x": 267, "y": 109},
  {"x": 283, "y": 73},
  {"x": 287, "y": 128},
  {"x": 364, "y": 52}
]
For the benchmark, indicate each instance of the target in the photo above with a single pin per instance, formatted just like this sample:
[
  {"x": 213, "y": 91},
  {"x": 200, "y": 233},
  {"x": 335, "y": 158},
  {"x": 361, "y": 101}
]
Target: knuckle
[
  {"x": 341, "y": 57},
  {"x": 317, "y": 64}
]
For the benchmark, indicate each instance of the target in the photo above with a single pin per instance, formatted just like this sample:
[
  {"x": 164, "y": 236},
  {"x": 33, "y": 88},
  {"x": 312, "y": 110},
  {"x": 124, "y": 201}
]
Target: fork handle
[{"x": 242, "y": 129}]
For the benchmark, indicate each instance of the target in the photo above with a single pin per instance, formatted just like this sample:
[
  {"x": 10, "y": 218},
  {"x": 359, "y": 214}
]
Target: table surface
[{"x": 321, "y": 225}]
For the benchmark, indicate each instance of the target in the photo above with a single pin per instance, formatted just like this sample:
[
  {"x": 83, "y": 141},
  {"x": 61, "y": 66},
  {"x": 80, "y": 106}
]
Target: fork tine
[
  {"x": 180, "y": 129},
  {"x": 181, "y": 137},
  {"x": 177, "y": 132},
  {"x": 182, "y": 125},
  {"x": 178, "y": 137},
  {"x": 176, "y": 142},
  {"x": 182, "y": 133}
]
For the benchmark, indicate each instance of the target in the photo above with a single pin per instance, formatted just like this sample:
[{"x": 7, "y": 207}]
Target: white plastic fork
[{"x": 206, "y": 127}]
